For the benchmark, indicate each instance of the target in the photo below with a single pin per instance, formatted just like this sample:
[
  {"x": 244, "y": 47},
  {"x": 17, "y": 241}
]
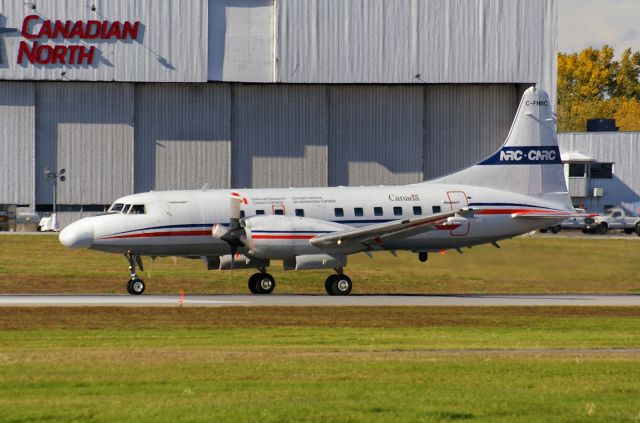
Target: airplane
[{"x": 518, "y": 189}]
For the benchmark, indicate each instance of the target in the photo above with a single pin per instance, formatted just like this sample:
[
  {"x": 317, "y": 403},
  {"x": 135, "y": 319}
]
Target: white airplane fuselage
[{"x": 180, "y": 222}]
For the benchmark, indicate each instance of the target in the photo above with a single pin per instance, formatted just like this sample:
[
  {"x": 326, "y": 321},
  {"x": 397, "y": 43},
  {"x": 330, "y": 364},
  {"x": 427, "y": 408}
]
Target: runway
[{"x": 496, "y": 300}]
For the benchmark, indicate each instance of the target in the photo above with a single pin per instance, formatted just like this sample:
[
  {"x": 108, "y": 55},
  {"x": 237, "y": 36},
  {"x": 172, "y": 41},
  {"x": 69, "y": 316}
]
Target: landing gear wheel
[
  {"x": 261, "y": 283},
  {"x": 135, "y": 286},
  {"x": 338, "y": 285},
  {"x": 555, "y": 229},
  {"x": 328, "y": 284},
  {"x": 253, "y": 282}
]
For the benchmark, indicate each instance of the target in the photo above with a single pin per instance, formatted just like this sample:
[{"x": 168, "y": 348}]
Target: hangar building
[{"x": 130, "y": 96}]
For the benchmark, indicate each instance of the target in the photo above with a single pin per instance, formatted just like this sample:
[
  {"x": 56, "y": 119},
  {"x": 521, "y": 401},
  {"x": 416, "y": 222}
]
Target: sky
[{"x": 584, "y": 23}]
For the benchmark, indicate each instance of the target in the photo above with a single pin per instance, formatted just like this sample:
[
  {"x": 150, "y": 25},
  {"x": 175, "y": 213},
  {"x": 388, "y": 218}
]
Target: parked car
[
  {"x": 616, "y": 218},
  {"x": 570, "y": 223}
]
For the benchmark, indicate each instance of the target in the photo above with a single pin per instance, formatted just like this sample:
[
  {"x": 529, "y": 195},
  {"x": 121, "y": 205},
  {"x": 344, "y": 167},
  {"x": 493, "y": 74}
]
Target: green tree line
[{"x": 591, "y": 84}]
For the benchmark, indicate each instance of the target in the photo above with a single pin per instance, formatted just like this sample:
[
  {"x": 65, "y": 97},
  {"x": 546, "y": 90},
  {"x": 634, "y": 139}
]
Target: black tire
[
  {"x": 137, "y": 286},
  {"x": 129, "y": 290},
  {"x": 253, "y": 282},
  {"x": 341, "y": 285},
  {"x": 543, "y": 230},
  {"x": 555, "y": 229},
  {"x": 602, "y": 229},
  {"x": 638, "y": 229},
  {"x": 629, "y": 231},
  {"x": 585, "y": 231},
  {"x": 328, "y": 284},
  {"x": 265, "y": 284}
]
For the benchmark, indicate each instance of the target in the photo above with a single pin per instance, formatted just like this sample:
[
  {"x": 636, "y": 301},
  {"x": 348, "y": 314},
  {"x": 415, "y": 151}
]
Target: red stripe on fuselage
[
  {"x": 283, "y": 236},
  {"x": 512, "y": 211}
]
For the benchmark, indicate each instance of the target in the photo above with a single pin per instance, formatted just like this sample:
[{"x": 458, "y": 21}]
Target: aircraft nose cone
[{"x": 77, "y": 235}]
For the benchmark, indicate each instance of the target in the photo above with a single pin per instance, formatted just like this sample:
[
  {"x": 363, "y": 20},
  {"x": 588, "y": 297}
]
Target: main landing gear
[
  {"x": 135, "y": 286},
  {"x": 262, "y": 283},
  {"x": 339, "y": 284}
]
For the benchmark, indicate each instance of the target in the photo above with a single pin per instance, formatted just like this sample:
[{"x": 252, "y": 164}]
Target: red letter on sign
[
  {"x": 85, "y": 53},
  {"x": 130, "y": 30},
  {"x": 25, "y": 52},
  {"x": 25, "y": 27}
]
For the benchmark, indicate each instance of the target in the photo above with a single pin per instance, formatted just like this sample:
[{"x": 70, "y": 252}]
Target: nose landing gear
[{"x": 135, "y": 286}]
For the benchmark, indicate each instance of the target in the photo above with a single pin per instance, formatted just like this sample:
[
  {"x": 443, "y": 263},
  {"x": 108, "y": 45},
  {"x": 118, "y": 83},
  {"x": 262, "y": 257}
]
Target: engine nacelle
[{"x": 285, "y": 236}]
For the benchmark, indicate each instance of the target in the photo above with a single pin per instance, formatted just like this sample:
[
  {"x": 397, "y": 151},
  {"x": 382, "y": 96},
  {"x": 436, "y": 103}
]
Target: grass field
[
  {"x": 524, "y": 265},
  {"x": 339, "y": 364}
]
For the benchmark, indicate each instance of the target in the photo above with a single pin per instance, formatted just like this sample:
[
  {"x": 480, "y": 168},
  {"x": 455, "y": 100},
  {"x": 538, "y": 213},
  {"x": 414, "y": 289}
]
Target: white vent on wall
[{"x": 598, "y": 192}]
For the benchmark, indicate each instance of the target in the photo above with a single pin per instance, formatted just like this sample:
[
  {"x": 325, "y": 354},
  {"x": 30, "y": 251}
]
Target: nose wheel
[{"x": 135, "y": 286}]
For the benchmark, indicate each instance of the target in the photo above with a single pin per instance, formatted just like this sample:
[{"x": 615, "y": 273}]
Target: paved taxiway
[{"x": 319, "y": 300}]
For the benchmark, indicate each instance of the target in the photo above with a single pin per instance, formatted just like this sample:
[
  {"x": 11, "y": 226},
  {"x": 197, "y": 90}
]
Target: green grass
[
  {"x": 293, "y": 364},
  {"x": 523, "y": 265}
]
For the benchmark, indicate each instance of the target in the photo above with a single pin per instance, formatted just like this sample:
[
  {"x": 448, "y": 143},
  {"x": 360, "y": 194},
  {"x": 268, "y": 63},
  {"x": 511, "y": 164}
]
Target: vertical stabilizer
[{"x": 529, "y": 160}]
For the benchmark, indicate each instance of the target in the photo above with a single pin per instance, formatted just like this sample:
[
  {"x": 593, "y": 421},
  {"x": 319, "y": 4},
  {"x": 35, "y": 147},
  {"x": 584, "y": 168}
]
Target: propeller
[{"x": 235, "y": 235}]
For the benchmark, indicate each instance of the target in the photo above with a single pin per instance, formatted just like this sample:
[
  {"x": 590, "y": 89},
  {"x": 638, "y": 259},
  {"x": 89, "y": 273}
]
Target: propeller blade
[{"x": 236, "y": 201}]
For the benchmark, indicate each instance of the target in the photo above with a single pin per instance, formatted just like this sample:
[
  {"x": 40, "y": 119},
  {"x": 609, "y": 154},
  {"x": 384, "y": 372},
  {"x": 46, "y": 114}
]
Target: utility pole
[{"x": 54, "y": 176}]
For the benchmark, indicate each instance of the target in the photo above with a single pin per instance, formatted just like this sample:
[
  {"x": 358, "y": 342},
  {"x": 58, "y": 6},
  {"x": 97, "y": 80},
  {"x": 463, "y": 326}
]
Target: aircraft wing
[{"x": 372, "y": 235}]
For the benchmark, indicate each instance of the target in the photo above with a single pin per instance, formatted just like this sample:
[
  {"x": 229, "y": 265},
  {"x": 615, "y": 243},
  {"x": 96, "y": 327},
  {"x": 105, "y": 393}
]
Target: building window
[
  {"x": 358, "y": 211},
  {"x": 577, "y": 170},
  {"x": 279, "y": 212},
  {"x": 601, "y": 170},
  {"x": 436, "y": 209},
  {"x": 417, "y": 210},
  {"x": 338, "y": 211},
  {"x": 377, "y": 211},
  {"x": 397, "y": 211},
  {"x": 300, "y": 212},
  {"x": 259, "y": 212}
]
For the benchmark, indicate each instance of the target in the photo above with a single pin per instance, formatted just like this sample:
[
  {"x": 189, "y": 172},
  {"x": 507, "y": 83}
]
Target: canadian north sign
[{"x": 66, "y": 35}]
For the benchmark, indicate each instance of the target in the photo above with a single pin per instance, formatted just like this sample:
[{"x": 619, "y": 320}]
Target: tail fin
[{"x": 529, "y": 160}]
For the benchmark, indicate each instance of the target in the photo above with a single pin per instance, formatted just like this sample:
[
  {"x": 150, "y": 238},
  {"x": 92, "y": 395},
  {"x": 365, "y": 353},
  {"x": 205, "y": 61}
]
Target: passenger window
[
  {"x": 339, "y": 212},
  {"x": 137, "y": 209},
  {"x": 358, "y": 211},
  {"x": 397, "y": 211},
  {"x": 417, "y": 210},
  {"x": 279, "y": 212},
  {"x": 300, "y": 212},
  {"x": 241, "y": 214},
  {"x": 435, "y": 209},
  {"x": 259, "y": 212},
  {"x": 616, "y": 214},
  {"x": 377, "y": 211}
]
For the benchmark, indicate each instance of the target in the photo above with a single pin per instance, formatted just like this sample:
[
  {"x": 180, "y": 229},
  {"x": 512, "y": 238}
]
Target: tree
[{"x": 593, "y": 85}]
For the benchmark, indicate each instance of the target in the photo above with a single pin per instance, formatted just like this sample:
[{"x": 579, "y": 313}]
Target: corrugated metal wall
[
  {"x": 416, "y": 41},
  {"x": 87, "y": 129},
  {"x": 279, "y": 135},
  {"x": 375, "y": 135},
  {"x": 171, "y": 44},
  {"x": 17, "y": 143},
  {"x": 183, "y": 134},
  {"x": 241, "y": 40},
  {"x": 464, "y": 124},
  {"x": 620, "y": 148}
]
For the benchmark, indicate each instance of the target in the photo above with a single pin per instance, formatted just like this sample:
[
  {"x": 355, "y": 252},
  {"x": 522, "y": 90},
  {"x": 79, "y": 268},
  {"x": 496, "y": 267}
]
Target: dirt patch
[{"x": 264, "y": 317}]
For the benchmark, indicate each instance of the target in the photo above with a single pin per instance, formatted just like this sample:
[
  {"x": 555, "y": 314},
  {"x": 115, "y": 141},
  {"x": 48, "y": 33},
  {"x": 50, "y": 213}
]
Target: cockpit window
[
  {"x": 116, "y": 208},
  {"x": 126, "y": 208},
  {"x": 137, "y": 209}
]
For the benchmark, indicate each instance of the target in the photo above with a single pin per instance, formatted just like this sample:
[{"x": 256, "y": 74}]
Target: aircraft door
[{"x": 456, "y": 200}]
